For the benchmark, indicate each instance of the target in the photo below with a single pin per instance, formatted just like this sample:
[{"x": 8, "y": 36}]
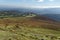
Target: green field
[
  {"x": 28, "y": 33},
  {"x": 22, "y": 29}
]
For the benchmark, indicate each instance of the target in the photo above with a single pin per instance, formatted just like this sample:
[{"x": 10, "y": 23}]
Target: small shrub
[
  {"x": 9, "y": 39},
  {"x": 22, "y": 34},
  {"x": 46, "y": 36},
  {"x": 6, "y": 25},
  {"x": 17, "y": 26}
]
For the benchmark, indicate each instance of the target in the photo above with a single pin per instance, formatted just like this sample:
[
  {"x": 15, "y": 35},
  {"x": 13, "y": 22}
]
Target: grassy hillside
[
  {"x": 25, "y": 28},
  {"x": 28, "y": 33}
]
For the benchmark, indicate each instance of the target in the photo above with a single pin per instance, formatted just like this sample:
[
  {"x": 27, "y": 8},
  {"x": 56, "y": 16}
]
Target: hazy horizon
[{"x": 30, "y": 3}]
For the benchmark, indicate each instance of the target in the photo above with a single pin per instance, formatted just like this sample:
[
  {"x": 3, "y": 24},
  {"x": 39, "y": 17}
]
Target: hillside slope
[
  {"x": 32, "y": 21},
  {"x": 28, "y": 28}
]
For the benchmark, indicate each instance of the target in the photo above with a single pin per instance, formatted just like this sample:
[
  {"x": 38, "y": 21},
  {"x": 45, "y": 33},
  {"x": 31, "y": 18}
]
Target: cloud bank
[
  {"x": 44, "y": 0},
  {"x": 45, "y": 6}
]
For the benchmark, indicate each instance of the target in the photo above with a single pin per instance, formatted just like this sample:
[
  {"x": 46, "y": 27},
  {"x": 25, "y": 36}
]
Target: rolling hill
[
  {"x": 29, "y": 28},
  {"x": 16, "y": 25}
]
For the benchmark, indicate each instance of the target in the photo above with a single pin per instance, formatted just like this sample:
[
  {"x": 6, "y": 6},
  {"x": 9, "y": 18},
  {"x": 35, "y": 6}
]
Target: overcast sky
[{"x": 31, "y": 3}]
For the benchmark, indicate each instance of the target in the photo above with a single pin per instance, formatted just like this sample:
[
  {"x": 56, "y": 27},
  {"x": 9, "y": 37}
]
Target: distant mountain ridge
[{"x": 53, "y": 16}]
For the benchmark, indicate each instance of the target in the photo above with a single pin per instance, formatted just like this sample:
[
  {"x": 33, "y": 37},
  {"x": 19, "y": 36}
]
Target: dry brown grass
[{"x": 30, "y": 22}]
